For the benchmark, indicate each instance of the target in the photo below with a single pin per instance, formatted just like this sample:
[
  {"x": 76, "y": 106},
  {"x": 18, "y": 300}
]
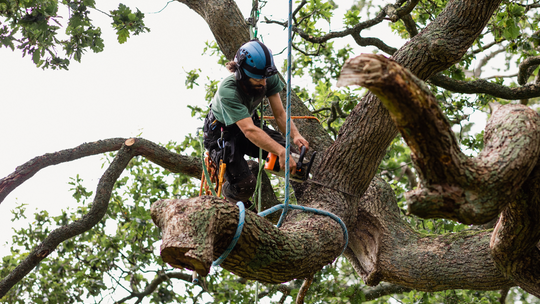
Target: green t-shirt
[{"x": 231, "y": 104}]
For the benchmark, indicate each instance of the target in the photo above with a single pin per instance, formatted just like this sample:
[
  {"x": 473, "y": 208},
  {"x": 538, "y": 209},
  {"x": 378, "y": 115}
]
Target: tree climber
[{"x": 231, "y": 128}]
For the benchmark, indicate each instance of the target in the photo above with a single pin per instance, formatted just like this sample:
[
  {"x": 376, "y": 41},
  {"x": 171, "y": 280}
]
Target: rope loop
[
  {"x": 236, "y": 235},
  {"x": 312, "y": 210}
]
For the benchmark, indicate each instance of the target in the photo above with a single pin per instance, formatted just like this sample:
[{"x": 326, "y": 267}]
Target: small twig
[{"x": 303, "y": 290}]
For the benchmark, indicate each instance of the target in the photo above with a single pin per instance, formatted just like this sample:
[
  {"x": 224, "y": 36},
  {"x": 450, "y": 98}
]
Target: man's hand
[
  {"x": 300, "y": 141},
  {"x": 292, "y": 163}
]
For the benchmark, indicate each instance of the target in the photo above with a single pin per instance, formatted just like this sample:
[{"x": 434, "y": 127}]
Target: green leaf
[
  {"x": 123, "y": 35},
  {"x": 511, "y": 31},
  {"x": 35, "y": 56}
]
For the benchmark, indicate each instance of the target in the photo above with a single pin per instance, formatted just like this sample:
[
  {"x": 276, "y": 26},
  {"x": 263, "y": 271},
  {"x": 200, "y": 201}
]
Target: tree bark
[
  {"x": 503, "y": 177},
  {"x": 196, "y": 231},
  {"x": 454, "y": 186},
  {"x": 385, "y": 248}
]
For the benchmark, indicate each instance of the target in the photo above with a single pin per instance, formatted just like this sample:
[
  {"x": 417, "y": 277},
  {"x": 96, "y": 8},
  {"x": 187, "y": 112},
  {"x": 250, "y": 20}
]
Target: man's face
[{"x": 256, "y": 87}]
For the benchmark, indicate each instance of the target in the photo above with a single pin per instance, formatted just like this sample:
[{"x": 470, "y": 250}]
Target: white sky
[{"x": 125, "y": 90}]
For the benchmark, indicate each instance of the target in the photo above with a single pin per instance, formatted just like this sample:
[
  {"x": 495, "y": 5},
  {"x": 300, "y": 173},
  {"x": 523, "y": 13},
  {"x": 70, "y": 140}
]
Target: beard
[{"x": 253, "y": 90}]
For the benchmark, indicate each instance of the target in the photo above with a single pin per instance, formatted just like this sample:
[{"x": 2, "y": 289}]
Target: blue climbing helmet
[{"x": 254, "y": 60}]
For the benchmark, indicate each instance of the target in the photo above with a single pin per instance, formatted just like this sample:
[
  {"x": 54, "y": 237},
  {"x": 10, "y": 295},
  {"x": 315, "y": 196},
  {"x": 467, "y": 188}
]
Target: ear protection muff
[{"x": 239, "y": 59}]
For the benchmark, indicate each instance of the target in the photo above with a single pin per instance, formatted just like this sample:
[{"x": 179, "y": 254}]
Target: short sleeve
[
  {"x": 233, "y": 111},
  {"x": 274, "y": 85}
]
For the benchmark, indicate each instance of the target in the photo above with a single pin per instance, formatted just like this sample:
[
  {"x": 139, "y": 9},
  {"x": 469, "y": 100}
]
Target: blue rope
[
  {"x": 312, "y": 210},
  {"x": 236, "y": 235},
  {"x": 270, "y": 211},
  {"x": 288, "y": 135}
]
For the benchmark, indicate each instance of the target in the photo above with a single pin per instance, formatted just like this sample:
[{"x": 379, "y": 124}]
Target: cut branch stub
[
  {"x": 470, "y": 190},
  {"x": 196, "y": 232}
]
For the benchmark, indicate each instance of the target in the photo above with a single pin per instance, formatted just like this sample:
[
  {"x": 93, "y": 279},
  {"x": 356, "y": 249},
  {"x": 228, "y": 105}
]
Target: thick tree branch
[
  {"x": 482, "y": 86},
  {"x": 517, "y": 233},
  {"x": 27, "y": 170},
  {"x": 470, "y": 190},
  {"x": 385, "y": 248},
  {"x": 96, "y": 213},
  {"x": 197, "y": 231}
]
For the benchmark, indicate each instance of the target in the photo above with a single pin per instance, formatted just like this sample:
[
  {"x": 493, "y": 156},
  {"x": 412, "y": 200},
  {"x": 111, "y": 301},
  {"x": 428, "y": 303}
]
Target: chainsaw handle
[{"x": 301, "y": 158}]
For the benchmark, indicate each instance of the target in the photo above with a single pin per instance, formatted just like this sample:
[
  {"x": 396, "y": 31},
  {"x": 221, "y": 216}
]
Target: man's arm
[
  {"x": 262, "y": 140},
  {"x": 281, "y": 120}
]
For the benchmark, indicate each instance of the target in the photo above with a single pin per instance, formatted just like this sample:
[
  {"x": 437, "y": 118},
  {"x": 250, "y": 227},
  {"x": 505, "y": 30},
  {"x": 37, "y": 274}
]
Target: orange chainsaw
[{"x": 302, "y": 169}]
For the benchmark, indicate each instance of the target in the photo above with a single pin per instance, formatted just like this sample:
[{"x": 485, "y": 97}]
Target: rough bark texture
[
  {"x": 470, "y": 190},
  {"x": 196, "y": 231},
  {"x": 384, "y": 247}
]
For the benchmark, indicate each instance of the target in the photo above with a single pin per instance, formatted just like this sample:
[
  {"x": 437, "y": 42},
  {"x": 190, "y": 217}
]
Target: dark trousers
[{"x": 240, "y": 181}]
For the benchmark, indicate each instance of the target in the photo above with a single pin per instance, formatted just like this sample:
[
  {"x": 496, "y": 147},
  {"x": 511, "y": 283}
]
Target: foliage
[
  {"x": 33, "y": 28},
  {"x": 125, "y": 21}
]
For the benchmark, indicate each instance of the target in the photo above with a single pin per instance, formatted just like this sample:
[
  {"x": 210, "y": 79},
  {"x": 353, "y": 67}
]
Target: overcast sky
[{"x": 123, "y": 91}]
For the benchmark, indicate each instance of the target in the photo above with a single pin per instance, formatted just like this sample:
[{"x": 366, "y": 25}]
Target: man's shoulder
[
  {"x": 274, "y": 85},
  {"x": 228, "y": 83}
]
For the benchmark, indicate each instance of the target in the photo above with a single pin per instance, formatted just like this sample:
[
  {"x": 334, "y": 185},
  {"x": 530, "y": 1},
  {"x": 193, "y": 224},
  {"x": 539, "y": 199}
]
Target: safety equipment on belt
[{"x": 254, "y": 59}]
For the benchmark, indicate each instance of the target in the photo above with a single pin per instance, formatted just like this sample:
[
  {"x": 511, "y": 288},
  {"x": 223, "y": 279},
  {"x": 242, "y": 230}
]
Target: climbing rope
[
  {"x": 288, "y": 135},
  {"x": 312, "y": 210},
  {"x": 294, "y": 117},
  {"x": 236, "y": 235},
  {"x": 253, "y": 18}
]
